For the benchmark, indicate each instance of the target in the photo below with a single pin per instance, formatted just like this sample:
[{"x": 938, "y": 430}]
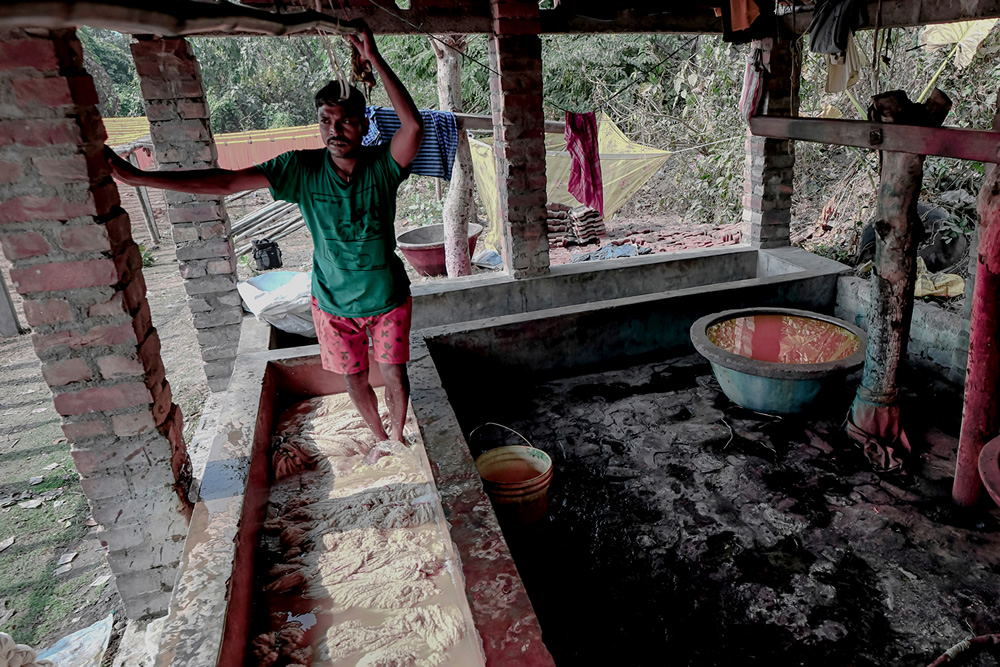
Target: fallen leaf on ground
[
  {"x": 36, "y": 480},
  {"x": 30, "y": 504},
  {"x": 37, "y": 410},
  {"x": 58, "y": 503},
  {"x": 6, "y": 544},
  {"x": 63, "y": 569},
  {"x": 51, "y": 466},
  {"x": 67, "y": 558},
  {"x": 67, "y": 523},
  {"x": 52, "y": 495},
  {"x": 7, "y": 502},
  {"x": 58, "y": 441},
  {"x": 101, "y": 580},
  {"x": 90, "y": 522}
]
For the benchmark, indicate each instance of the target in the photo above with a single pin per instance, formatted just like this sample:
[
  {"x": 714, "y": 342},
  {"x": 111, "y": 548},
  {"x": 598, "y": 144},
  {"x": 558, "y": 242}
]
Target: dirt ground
[{"x": 39, "y": 606}]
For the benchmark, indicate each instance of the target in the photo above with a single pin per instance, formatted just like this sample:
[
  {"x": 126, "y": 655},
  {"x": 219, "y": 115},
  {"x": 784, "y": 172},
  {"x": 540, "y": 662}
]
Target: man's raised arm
[
  {"x": 406, "y": 141},
  {"x": 195, "y": 181}
]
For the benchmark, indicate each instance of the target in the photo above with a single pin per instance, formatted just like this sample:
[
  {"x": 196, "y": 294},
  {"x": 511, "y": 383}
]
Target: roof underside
[{"x": 288, "y": 17}]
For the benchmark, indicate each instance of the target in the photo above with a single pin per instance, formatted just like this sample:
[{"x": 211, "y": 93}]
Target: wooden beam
[
  {"x": 563, "y": 20},
  {"x": 177, "y": 18},
  {"x": 147, "y": 207},
  {"x": 9, "y": 324},
  {"x": 905, "y": 13},
  {"x": 472, "y": 121},
  {"x": 951, "y": 142}
]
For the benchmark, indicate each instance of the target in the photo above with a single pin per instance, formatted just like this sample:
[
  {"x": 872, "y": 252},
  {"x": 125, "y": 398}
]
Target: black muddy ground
[{"x": 684, "y": 530}]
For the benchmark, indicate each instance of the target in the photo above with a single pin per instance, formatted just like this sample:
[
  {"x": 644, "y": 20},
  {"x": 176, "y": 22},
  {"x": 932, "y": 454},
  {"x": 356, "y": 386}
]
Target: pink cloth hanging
[{"x": 585, "y": 171}]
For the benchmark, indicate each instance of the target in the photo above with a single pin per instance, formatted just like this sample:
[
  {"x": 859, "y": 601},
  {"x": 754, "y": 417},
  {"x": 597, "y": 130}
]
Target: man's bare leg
[
  {"x": 397, "y": 396},
  {"x": 366, "y": 403}
]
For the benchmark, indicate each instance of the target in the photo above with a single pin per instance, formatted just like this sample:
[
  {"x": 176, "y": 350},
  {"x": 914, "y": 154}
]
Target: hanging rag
[
  {"x": 754, "y": 79},
  {"x": 585, "y": 181},
  {"x": 746, "y": 20},
  {"x": 436, "y": 154},
  {"x": 842, "y": 69},
  {"x": 742, "y": 13},
  {"x": 834, "y": 21}
]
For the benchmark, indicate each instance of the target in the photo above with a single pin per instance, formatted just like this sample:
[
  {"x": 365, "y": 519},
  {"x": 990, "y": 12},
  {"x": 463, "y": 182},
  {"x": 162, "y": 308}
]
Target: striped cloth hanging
[{"x": 437, "y": 151}]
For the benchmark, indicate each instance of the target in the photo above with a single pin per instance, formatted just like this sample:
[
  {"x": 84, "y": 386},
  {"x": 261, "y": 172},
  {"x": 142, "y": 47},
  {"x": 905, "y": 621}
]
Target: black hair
[{"x": 332, "y": 95}]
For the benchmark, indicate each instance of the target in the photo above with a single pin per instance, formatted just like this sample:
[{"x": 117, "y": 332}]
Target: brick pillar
[
  {"x": 770, "y": 164},
  {"x": 80, "y": 273},
  {"x": 170, "y": 79},
  {"x": 518, "y": 122}
]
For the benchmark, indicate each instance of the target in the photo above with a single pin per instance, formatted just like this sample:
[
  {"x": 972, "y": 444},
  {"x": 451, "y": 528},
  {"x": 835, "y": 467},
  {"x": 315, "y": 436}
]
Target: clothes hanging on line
[
  {"x": 843, "y": 69},
  {"x": 755, "y": 78},
  {"x": 436, "y": 154},
  {"x": 746, "y": 20},
  {"x": 585, "y": 182},
  {"x": 834, "y": 21}
]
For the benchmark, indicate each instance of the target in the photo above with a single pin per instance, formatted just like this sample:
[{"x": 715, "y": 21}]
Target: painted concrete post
[
  {"x": 80, "y": 273},
  {"x": 518, "y": 121},
  {"x": 178, "y": 119},
  {"x": 981, "y": 412},
  {"x": 769, "y": 171}
]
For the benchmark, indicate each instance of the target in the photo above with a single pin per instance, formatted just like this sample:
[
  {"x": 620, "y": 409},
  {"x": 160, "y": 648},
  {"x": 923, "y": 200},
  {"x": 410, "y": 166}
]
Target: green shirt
[{"x": 355, "y": 271}]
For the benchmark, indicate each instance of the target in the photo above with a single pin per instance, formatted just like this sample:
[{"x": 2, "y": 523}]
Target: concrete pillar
[
  {"x": 769, "y": 170},
  {"x": 518, "y": 121},
  {"x": 80, "y": 273},
  {"x": 170, "y": 79}
]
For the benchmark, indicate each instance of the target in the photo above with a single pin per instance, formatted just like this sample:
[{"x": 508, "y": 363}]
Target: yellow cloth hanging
[{"x": 625, "y": 167}]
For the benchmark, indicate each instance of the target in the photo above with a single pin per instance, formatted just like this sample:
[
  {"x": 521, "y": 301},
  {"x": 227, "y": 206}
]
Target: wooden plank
[
  {"x": 907, "y": 13},
  {"x": 951, "y": 142},
  {"x": 147, "y": 208},
  {"x": 473, "y": 121},
  {"x": 9, "y": 324},
  {"x": 701, "y": 22}
]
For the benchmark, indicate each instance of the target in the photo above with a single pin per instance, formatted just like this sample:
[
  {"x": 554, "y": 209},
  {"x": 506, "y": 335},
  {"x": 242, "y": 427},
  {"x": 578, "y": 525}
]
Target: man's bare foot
[{"x": 384, "y": 448}]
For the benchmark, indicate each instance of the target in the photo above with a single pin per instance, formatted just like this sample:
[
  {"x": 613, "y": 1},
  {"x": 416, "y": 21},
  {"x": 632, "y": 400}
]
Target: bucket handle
[{"x": 473, "y": 431}]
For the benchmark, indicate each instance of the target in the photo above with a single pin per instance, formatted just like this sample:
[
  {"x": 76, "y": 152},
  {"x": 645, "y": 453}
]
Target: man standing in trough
[{"x": 347, "y": 195}]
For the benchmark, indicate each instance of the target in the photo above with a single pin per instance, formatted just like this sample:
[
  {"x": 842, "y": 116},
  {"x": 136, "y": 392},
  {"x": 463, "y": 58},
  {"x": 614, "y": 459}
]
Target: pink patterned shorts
[{"x": 343, "y": 341}]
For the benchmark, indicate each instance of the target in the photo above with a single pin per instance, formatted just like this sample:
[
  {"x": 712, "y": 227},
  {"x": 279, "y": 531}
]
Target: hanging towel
[
  {"x": 436, "y": 154},
  {"x": 746, "y": 20},
  {"x": 754, "y": 78},
  {"x": 585, "y": 181},
  {"x": 842, "y": 69},
  {"x": 742, "y": 14}
]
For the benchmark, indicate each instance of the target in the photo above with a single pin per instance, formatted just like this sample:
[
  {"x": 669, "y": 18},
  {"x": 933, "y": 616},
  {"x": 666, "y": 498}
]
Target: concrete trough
[{"x": 575, "y": 317}]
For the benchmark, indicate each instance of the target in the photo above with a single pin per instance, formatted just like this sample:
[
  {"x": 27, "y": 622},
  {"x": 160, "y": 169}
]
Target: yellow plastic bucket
[{"x": 517, "y": 479}]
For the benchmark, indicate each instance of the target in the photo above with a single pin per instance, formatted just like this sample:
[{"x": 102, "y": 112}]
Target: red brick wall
[
  {"x": 179, "y": 126},
  {"x": 80, "y": 274},
  {"x": 518, "y": 120},
  {"x": 769, "y": 171}
]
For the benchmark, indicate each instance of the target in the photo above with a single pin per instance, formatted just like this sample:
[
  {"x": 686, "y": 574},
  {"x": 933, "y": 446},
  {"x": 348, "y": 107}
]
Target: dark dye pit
[
  {"x": 684, "y": 530},
  {"x": 788, "y": 339}
]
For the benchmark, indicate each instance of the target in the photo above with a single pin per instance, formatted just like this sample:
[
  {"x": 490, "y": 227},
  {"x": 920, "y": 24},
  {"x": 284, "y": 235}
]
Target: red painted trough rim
[{"x": 989, "y": 468}]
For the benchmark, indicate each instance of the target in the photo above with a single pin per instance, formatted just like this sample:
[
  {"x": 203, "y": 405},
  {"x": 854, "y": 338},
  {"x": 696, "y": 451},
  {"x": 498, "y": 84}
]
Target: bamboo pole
[{"x": 147, "y": 208}]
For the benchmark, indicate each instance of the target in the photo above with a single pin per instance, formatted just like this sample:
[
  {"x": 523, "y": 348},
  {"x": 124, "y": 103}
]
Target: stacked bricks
[
  {"x": 80, "y": 273},
  {"x": 518, "y": 120},
  {"x": 170, "y": 79},
  {"x": 769, "y": 170}
]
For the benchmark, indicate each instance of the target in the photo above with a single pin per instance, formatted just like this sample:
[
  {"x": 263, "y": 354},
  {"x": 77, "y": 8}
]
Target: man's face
[{"x": 341, "y": 133}]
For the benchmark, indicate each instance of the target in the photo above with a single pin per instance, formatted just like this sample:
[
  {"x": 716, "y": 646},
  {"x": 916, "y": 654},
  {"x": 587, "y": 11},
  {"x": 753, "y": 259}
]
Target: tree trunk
[
  {"x": 980, "y": 419},
  {"x": 875, "y": 415},
  {"x": 457, "y": 205}
]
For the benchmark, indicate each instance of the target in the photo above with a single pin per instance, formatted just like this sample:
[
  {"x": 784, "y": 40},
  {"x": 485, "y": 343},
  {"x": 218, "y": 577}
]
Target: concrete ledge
[{"x": 934, "y": 332}]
